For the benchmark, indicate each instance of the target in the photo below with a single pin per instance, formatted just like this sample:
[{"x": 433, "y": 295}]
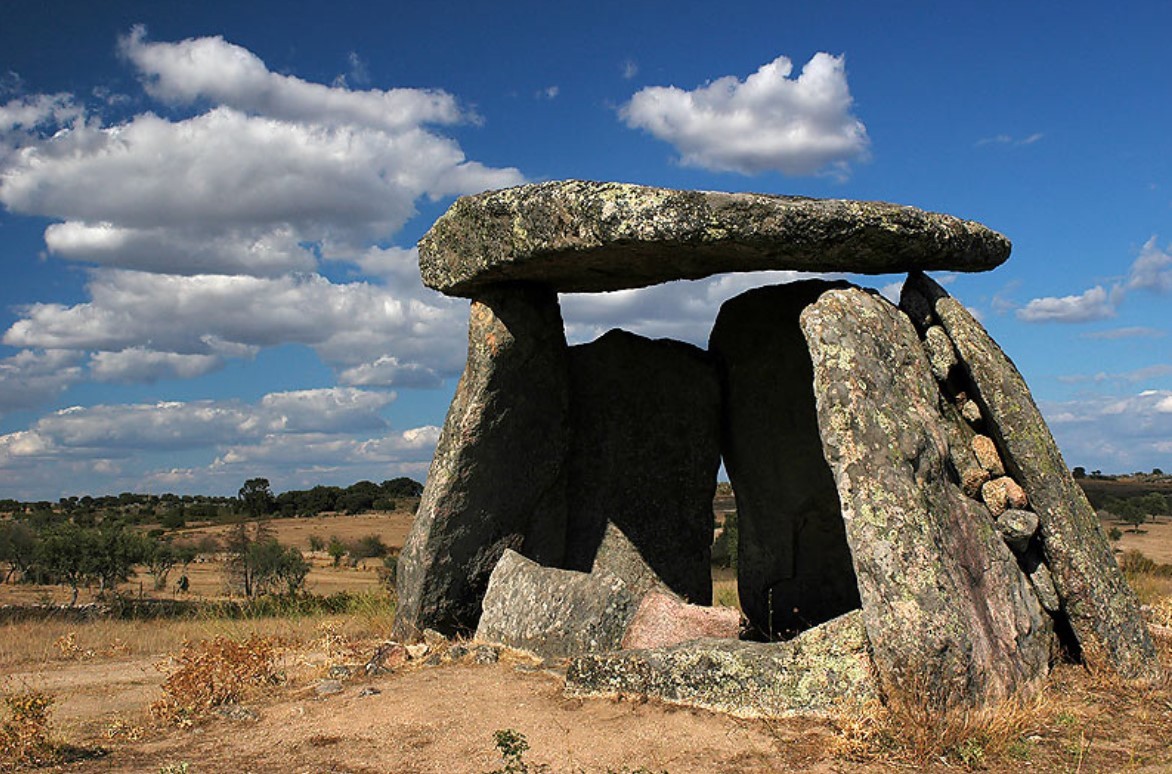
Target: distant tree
[
  {"x": 1079, "y": 472},
  {"x": 336, "y": 549},
  {"x": 241, "y": 567},
  {"x": 18, "y": 548},
  {"x": 1157, "y": 472},
  {"x": 65, "y": 554},
  {"x": 256, "y": 497},
  {"x": 276, "y": 568},
  {"x": 401, "y": 487},
  {"x": 359, "y": 497},
  {"x": 368, "y": 547},
  {"x": 724, "y": 551},
  {"x": 116, "y": 551},
  {"x": 1130, "y": 514},
  {"x": 173, "y": 518},
  {"x": 258, "y": 564},
  {"x": 161, "y": 559},
  {"x": 1115, "y": 534}
]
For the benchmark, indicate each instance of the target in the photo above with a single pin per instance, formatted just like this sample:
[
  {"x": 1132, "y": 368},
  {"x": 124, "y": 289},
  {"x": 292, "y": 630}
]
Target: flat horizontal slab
[{"x": 579, "y": 236}]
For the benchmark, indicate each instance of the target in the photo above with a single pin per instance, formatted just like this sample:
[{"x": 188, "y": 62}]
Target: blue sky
[{"x": 208, "y": 211}]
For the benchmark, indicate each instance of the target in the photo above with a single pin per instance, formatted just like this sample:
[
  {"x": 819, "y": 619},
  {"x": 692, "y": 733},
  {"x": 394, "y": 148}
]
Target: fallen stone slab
[
  {"x": 664, "y": 619},
  {"x": 552, "y": 612},
  {"x": 810, "y": 674},
  {"x": 1103, "y": 611},
  {"x": 579, "y": 236}
]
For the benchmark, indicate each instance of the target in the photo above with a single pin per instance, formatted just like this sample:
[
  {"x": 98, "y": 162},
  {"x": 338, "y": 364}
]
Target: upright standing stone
[
  {"x": 1102, "y": 609},
  {"x": 497, "y": 479},
  {"x": 644, "y": 454},
  {"x": 793, "y": 565},
  {"x": 950, "y": 617}
]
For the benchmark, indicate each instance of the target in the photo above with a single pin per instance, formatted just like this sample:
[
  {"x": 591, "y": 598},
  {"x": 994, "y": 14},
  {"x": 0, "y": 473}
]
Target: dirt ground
[
  {"x": 1154, "y": 539},
  {"x": 443, "y": 718}
]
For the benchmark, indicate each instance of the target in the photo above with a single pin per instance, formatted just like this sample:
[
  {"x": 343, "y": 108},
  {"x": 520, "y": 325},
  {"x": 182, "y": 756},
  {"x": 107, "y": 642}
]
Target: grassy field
[{"x": 207, "y": 578}]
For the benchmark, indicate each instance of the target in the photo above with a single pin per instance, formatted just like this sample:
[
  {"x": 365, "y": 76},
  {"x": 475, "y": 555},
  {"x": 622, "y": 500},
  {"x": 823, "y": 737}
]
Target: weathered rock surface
[
  {"x": 793, "y": 564},
  {"x": 987, "y": 455},
  {"x": 644, "y": 454},
  {"x": 618, "y": 556},
  {"x": 1017, "y": 527},
  {"x": 663, "y": 620},
  {"x": 941, "y": 355},
  {"x": 554, "y": 613},
  {"x": 577, "y": 236},
  {"x": 949, "y": 615},
  {"x": 1103, "y": 611},
  {"x": 1001, "y": 494},
  {"x": 497, "y": 478},
  {"x": 810, "y": 674}
]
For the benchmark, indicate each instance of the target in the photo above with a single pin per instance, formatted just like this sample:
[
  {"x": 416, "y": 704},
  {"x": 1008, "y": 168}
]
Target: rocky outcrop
[
  {"x": 812, "y": 673},
  {"x": 1102, "y": 610},
  {"x": 493, "y": 484},
  {"x": 554, "y": 613},
  {"x": 793, "y": 565},
  {"x": 950, "y": 617},
  {"x": 645, "y": 449},
  {"x": 576, "y": 236}
]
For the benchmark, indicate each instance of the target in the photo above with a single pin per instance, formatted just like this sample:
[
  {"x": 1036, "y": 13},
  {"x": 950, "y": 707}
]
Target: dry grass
[
  {"x": 43, "y": 642},
  {"x": 1155, "y": 539},
  {"x": 913, "y": 735},
  {"x": 724, "y": 587}
]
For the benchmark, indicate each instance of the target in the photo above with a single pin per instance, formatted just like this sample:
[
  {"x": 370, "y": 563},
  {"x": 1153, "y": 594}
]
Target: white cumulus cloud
[
  {"x": 347, "y": 324},
  {"x": 139, "y": 364},
  {"x": 1150, "y": 271},
  {"x": 1114, "y": 433},
  {"x": 215, "y": 70},
  {"x": 29, "y": 377},
  {"x": 1093, "y": 304},
  {"x": 768, "y": 122}
]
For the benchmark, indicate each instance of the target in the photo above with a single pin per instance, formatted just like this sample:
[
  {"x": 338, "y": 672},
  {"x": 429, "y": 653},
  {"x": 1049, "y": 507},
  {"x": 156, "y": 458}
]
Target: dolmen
[{"x": 907, "y": 527}]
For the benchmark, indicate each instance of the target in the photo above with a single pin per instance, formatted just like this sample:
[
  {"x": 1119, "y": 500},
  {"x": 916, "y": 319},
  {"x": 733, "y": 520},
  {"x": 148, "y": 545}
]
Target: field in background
[{"x": 207, "y": 578}]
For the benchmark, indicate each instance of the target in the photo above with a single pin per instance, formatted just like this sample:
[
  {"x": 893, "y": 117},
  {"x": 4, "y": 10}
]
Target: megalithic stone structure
[{"x": 884, "y": 458}]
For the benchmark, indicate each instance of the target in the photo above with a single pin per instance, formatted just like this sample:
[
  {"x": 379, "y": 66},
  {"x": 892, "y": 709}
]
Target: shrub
[
  {"x": 24, "y": 733},
  {"x": 211, "y": 673}
]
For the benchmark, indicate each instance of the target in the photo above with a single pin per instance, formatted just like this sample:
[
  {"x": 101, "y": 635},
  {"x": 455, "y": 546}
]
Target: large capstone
[
  {"x": 497, "y": 478},
  {"x": 644, "y": 454},
  {"x": 793, "y": 563},
  {"x": 1101, "y": 608},
  {"x": 576, "y": 236},
  {"x": 950, "y": 616}
]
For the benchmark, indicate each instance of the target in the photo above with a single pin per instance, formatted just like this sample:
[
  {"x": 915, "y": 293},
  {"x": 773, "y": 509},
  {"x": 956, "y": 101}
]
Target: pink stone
[{"x": 664, "y": 620}]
